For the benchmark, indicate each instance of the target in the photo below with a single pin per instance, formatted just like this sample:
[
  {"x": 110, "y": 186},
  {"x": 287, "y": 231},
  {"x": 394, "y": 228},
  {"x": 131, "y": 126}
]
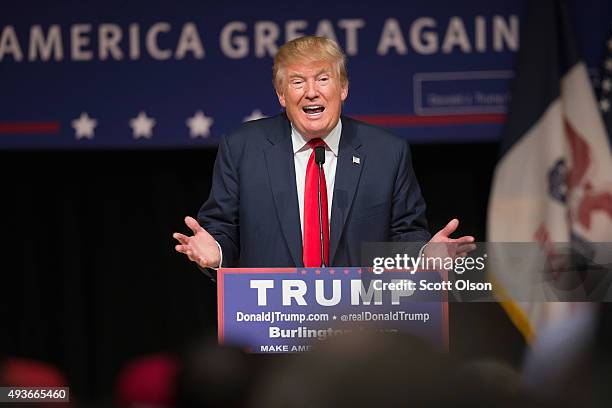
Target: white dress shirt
[{"x": 301, "y": 155}]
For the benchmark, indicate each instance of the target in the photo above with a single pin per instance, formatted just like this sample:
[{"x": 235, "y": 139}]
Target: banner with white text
[
  {"x": 82, "y": 75},
  {"x": 295, "y": 309}
]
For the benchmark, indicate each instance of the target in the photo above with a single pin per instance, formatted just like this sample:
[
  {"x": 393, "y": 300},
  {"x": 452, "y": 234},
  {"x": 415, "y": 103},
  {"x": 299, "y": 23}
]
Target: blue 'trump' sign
[{"x": 290, "y": 310}]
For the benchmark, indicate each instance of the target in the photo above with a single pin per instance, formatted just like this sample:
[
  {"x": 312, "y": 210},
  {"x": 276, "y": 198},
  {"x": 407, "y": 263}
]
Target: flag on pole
[
  {"x": 553, "y": 182},
  {"x": 605, "y": 85}
]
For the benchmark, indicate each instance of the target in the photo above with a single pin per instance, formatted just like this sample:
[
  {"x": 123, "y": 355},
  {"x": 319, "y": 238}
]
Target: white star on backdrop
[
  {"x": 199, "y": 125},
  {"x": 604, "y": 104},
  {"x": 84, "y": 126},
  {"x": 606, "y": 84},
  {"x": 610, "y": 45},
  {"x": 142, "y": 126},
  {"x": 256, "y": 114},
  {"x": 609, "y": 64}
]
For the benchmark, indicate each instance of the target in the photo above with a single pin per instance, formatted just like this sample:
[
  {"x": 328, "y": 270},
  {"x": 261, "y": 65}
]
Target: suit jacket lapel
[
  {"x": 281, "y": 173},
  {"x": 348, "y": 171}
]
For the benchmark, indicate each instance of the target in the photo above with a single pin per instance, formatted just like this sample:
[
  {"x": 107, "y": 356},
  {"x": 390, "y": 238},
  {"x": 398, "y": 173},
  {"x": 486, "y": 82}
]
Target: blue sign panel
[{"x": 292, "y": 310}]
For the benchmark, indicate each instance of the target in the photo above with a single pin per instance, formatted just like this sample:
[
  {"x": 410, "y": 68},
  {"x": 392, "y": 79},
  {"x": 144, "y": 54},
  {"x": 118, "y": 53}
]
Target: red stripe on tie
[{"x": 312, "y": 239}]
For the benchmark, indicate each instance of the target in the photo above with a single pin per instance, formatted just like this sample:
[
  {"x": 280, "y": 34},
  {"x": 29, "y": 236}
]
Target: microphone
[
  {"x": 320, "y": 155},
  {"x": 320, "y": 160}
]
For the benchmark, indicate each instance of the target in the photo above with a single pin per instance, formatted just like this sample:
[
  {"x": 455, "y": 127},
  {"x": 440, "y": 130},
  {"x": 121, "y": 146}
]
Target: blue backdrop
[{"x": 119, "y": 74}]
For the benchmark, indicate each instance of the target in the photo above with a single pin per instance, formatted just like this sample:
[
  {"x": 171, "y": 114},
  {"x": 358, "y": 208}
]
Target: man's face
[{"x": 312, "y": 95}]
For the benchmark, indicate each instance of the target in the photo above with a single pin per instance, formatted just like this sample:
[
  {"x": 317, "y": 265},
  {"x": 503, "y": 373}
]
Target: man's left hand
[{"x": 447, "y": 246}]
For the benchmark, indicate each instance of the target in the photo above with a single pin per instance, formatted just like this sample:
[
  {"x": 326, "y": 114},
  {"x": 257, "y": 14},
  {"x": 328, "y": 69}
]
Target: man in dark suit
[{"x": 263, "y": 208}]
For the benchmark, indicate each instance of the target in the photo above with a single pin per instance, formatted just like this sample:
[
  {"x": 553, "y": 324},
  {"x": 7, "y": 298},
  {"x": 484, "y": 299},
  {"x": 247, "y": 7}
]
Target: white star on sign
[
  {"x": 610, "y": 44},
  {"x": 84, "y": 126},
  {"x": 199, "y": 125},
  {"x": 256, "y": 114},
  {"x": 604, "y": 104},
  {"x": 142, "y": 126},
  {"x": 606, "y": 84},
  {"x": 609, "y": 64}
]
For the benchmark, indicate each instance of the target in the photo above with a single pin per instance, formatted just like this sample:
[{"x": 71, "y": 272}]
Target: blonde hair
[{"x": 308, "y": 49}]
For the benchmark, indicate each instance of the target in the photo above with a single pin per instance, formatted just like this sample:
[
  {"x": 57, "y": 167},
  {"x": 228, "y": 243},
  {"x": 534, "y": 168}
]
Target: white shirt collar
[{"x": 332, "y": 140}]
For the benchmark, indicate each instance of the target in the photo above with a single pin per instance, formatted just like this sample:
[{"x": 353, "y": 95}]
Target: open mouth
[{"x": 313, "y": 109}]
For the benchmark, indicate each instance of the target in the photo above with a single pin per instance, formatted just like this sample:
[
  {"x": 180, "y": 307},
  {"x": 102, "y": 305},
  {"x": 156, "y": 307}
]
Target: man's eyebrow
[{"x": 323, "y": 71}]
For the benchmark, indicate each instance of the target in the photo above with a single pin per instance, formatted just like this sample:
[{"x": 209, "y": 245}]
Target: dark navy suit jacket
[{"x": 252, "y": 210}]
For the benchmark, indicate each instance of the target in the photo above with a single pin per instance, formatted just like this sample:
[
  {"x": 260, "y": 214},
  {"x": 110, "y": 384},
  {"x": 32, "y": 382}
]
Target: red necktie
[{"x": 312, "y": 238}]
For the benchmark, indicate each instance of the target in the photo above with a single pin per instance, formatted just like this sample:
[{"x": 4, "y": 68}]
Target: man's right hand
[{"x": 201, "y": 247}]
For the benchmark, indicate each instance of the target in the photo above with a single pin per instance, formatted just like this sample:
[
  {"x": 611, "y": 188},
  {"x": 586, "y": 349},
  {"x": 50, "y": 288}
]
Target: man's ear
[
  {"x": 281, "y": 99},
  {"x": 344, "y": 92}
]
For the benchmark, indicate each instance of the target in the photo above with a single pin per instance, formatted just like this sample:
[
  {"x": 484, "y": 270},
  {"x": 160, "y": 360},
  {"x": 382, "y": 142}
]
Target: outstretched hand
[
  {"x": 444, "y": 245},
  {"x": 201, "y": 247}
]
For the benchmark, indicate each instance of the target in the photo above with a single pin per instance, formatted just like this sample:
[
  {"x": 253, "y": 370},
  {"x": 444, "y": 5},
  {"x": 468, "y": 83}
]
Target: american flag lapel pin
[{"x": 356, "y": 160}]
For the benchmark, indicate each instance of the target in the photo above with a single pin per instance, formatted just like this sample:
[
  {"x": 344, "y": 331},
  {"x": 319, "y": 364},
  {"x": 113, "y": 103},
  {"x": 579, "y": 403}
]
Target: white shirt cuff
[
  {"x": 422, "y": 250},
  {"x": 220, "y": 257}
]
